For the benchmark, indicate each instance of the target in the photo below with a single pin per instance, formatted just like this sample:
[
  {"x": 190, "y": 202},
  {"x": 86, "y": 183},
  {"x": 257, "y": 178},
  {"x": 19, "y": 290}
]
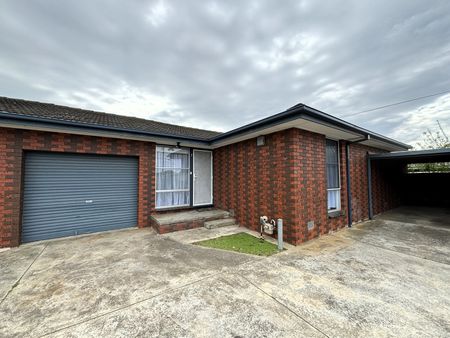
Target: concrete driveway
[{"x": 389, "y": 277}]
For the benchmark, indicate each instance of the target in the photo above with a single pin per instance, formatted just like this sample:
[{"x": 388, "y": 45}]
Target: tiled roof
[{"x": 54, "y": 112}]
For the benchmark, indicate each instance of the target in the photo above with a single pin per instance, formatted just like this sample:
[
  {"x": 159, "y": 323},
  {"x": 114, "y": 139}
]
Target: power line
[{"x": 397, "y": 103}]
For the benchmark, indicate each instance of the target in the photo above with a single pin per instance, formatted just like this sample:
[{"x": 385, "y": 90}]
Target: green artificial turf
[{"x": 241, "y": 242}]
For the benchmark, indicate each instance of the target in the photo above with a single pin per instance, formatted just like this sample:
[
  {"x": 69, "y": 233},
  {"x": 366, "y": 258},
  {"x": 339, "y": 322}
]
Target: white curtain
[
  {"x": 172, "y": 177},
  {"x": 168, "y": 199},
  {"x": 334, "y": 199}
]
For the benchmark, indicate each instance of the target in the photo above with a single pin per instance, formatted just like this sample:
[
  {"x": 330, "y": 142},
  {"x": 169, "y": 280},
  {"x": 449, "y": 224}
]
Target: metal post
[
  {"x": 369, "y": 185},
  {"x": 280, "y": 233}
]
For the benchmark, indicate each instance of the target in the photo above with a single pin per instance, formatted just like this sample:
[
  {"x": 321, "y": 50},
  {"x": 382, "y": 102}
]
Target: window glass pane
[
  {"x": 332, "y": 161},
  {"x": 172, "y": 174},
  {"x": 170, "y": 199},
  {"x": 332, "y": 152},
  {"x": 167, "y": 157},
  {"x": 334, "y": 199},
  {"x": 332, "y": 167},
  {"x": 172, "y": 179},
  {"x": 332, "y": 176}
]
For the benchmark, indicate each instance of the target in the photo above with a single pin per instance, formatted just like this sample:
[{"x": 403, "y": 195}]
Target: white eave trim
[{"x": 323, "y": 128}]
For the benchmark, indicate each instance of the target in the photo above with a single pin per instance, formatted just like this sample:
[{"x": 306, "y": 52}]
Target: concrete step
[
  {"x": 199, "y": 215},
  {"x": 218, "y": 223}
]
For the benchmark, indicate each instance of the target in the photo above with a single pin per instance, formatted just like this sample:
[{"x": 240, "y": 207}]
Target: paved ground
[{"x": 389, "y": 277}]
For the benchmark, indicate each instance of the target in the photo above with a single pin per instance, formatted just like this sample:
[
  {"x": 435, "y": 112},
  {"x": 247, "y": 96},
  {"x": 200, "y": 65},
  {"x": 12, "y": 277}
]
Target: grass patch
[{"x": 241, "y": 242}]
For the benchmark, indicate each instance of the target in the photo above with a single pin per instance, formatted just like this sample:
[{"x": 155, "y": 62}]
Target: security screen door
[{"x": 202, "y": 177}]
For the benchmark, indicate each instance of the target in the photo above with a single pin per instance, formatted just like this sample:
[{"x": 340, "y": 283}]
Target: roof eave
[
  {"x": 302, "y": 111},
  {"x": 299, "y": 111},
  {"x": 282, "y": 117},
  {"x": 346, "y": 125},
  {"x": 99, "y": 127}
]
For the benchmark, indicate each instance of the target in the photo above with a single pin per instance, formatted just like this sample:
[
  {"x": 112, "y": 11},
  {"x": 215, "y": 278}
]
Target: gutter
[
  {"x": 296, "y": 112},
  {"x": 349, "y": 126},
  {"x": 303, "y": 111},
  {"x": 270, "y": 121},
  {"x": 99, "y": 127}
]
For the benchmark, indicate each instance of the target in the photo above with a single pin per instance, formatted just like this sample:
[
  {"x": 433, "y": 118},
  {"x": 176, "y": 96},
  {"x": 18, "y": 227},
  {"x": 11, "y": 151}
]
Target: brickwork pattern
[
  {"x": 286, "y": 178},
  {"x": 384, "y": 186}
]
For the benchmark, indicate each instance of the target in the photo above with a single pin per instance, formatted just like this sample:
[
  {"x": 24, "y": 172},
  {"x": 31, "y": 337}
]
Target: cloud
[
  {"x": 218, "y": 65},
  {"x": 158, "y": 13},
  {"x": 412, "y": 124}
]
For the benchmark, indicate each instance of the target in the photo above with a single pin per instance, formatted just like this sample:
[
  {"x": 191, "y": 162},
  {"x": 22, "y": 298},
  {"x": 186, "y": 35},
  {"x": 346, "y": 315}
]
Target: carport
[{"x": 411, "y": 183}]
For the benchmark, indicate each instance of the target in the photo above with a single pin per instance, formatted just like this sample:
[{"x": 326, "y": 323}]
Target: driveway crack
[
  {"x": 161, "y": 293},
  {"x": 17, "y": 282},
  {"x": 284, "y": 305}
]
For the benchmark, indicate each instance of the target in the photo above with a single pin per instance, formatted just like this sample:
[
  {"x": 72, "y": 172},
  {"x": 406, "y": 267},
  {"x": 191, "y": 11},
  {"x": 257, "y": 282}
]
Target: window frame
[
  {"x": 339, "y": 206},
  {"x": 188, "y": 152}
]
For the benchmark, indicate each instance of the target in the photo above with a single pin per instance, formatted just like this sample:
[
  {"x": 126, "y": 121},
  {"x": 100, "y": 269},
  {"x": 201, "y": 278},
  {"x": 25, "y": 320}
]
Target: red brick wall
[
  {"x": 384, "y": 189},
  {"x": 310, "y": 167},
  {"x": 254, "y": 181},
  {"x": 13, "y": 143},
  {"x": 358, "y": 178},
  {"x": 286, "y": 179}
]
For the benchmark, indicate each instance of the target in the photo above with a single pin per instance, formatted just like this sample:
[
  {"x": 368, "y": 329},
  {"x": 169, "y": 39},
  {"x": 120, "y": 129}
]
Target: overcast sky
[{"x": 219, "y": 65}]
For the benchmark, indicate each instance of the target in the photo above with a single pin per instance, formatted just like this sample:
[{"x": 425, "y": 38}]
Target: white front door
[{"x": 202, "y": 171}]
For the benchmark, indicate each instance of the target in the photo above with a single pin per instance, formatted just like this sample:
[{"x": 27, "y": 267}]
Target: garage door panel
[
  {"x": 70, "y": 194},
  {"x": 69, "y": 206},
  {"x": 76, "y": 224},
  {"x": 78, "y": 211},
  {"x": 43, "y": 235}
]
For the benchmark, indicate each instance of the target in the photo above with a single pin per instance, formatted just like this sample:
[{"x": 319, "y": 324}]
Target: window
[
  {"x": 172, "y": 177},
  {"x": 333, "y": 182}
]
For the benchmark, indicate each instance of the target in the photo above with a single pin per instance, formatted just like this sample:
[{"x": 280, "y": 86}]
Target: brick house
[{"x": 67, "y": 171}]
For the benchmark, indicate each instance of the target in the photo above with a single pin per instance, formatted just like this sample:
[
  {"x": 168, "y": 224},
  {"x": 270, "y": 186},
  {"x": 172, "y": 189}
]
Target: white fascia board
[{"x": 329, "y": 131}]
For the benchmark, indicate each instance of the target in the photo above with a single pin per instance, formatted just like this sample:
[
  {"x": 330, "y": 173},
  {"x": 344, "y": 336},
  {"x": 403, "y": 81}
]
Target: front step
[
  {"x": 165, "y": 222},
  {"x": 218, "y": 223}
]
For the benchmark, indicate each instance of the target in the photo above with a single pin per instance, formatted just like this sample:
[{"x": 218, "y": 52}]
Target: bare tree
[{"x": 434, "y": 140}]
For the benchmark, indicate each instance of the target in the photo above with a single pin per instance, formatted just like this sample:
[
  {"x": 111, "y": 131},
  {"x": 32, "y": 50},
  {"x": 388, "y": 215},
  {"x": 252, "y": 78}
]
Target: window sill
[
  {"x": 184, "y": 207},
  {"x": 175, "y": 207},
  {"x": 335, "y": 213}
]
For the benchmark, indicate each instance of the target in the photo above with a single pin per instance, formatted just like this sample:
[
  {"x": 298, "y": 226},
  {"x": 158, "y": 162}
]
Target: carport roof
[{"x": 417, "y": 156}]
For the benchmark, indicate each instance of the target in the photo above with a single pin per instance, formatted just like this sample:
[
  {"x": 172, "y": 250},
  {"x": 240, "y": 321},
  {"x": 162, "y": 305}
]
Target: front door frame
[{"x": 193, "y": 150}]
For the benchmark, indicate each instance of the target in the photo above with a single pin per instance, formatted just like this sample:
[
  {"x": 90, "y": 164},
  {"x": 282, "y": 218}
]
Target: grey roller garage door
[{"x": 71, "y": 194}]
